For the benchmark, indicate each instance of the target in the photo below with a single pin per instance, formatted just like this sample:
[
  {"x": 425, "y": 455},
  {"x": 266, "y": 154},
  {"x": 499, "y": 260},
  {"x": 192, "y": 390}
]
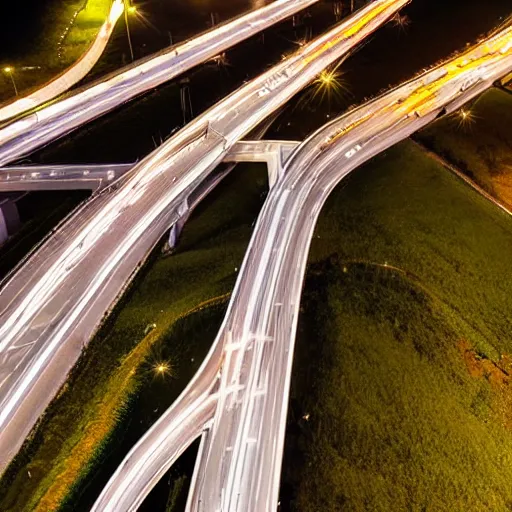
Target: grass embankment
[
  {"x": 402, "y": 357},
  {"x": 93, "y": 410},
  {"x": 179, "y": 350},
  {"x": 480, "y": 145},
  {"x": 66, "y": 31},
  {"x": 83, "y": 29}
]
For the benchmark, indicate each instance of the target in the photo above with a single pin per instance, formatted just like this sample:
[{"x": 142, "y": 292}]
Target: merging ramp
[
  {"x": 70, "y": 76},
  {"x": 246, "y": 437},
  {"x": 52, "y": 305},
  {"x": 53, "y": 121},
  {"x": 246, "y": 377},
  {"x": 228, "y": 122}
]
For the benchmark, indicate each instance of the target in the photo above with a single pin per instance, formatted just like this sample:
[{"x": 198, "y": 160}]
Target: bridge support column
[
  {"x": 177, "y": 227},
  {"x": 174, "y": 234},
  {"x": 9, "y": 218},
  {"x": 186, "y": 101},
  {"x": 274, "y": 169}
]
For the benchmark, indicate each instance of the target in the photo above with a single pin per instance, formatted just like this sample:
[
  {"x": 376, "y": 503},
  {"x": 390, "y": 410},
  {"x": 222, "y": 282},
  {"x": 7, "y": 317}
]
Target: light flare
[
  {"x": 466, "y": 118},
  {"x": 162, "y": 368},
  {"x": 329, "y": 83}
]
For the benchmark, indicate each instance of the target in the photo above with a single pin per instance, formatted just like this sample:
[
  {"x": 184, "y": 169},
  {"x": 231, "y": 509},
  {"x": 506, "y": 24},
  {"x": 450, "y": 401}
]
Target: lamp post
[
  {"x": 129, "y": 9},
  {"x": 8, "y": 70}
]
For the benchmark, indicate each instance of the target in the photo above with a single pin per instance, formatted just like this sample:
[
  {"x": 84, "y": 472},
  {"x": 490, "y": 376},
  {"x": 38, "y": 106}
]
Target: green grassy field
[
  {"x": 396, "y": 420},
  {"x": 400, "y": 363},
  {"x": 480, "y": 145},
  {"x": 78, "y": 427},
  {"x": 64, "y": 34},
  {"x": 84, "y": 29},
  {"x": 401, "y": 360}
]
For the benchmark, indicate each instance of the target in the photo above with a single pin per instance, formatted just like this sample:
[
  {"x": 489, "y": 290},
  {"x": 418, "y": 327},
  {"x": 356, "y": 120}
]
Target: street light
[
  {"x": 8, "y": 70},
  {"x": 466, "y": 118},
  {"x": 162, "y": 368},
  {"x": 129, "y": 9},
  {"x": 327, "y": 78}
]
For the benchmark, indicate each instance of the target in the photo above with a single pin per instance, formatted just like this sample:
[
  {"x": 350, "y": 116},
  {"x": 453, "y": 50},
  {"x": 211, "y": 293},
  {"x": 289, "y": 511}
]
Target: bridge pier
[
  {"x": 177, "y": 227},
  {"x": 9, "y": 217}
]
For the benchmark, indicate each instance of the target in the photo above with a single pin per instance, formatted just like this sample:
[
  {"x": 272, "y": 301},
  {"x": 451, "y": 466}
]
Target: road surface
[
  {"x": 51, "y": 122},
  {"x": 61, "y": 177},
  {"x": 273, "y": 153},
  {"x": 70, "y": 76},
  {"x": 239, "y": 396},
  {"x": 54, "y": 302},
  {"x": 94, "y": 177}
]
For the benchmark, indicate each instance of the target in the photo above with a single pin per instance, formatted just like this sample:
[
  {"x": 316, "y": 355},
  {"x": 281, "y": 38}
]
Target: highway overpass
[
  {"x": 55, "y": 120},
  {"x": 57, "y": 297},
  {"x": 238, "y": 399},
  {"x": 95, "y": 177},
  {"x": 61, "y": 177}
]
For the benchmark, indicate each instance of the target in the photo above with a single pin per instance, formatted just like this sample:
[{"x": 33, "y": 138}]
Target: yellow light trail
[
  {"x": 462, "y": 65},
  {"x": 358, "y": 24}
]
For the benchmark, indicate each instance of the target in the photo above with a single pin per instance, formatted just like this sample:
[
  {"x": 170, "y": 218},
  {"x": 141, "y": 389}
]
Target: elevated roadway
[
  {"x": 94, "y": 177},
  {"x": 53, "y": 121},
  {"x": 61, "y": 177},
  {"x": 245, "y": 379},
  {"x": 52, "y": 304},
  {"x": 273, "y": 153}
]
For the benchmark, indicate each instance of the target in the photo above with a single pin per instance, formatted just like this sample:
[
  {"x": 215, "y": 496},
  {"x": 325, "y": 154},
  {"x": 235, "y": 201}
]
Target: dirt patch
[
  {"x": 503, "y": 186},
  {"x": 498, "y": 375}
]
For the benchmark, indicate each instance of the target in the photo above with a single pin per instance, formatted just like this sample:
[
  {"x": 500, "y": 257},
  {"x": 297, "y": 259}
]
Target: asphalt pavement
[
  {"x": 246, "y": 377},
  {"x": 53, "y": 303},
  {"x": 47, "y": 124},
  {"x": 61, "y": 177}
]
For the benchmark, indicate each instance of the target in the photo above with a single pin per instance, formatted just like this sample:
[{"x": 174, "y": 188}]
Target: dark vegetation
[
  {"x": 408, "y": 291},
  {"x": 396, "y": 421},
  {"x": 183, "y": 347},
  {"x": 480, "y": 145}
]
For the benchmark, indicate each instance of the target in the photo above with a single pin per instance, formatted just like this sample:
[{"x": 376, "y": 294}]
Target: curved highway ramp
[{"x": 239, "y": 396}]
